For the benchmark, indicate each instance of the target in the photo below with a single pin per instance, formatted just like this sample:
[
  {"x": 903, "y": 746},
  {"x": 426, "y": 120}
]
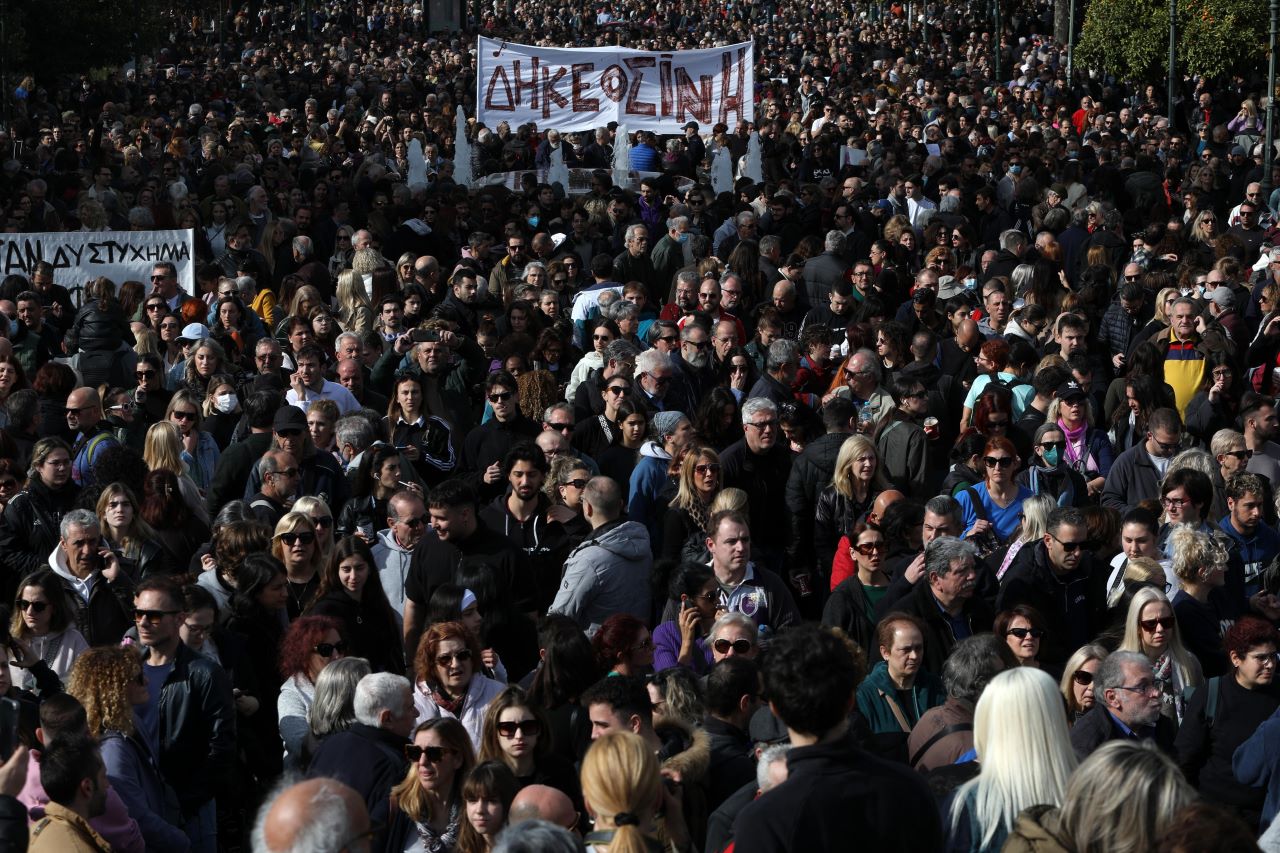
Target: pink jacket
[{"x": 114, "y": 825}]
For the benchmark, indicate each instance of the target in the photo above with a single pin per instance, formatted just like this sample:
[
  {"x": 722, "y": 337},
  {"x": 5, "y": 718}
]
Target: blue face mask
[
  {"x": 1051, "y": 457},
  {"x": 533, "y": 221},
  {"x": 683, "y": 238}
]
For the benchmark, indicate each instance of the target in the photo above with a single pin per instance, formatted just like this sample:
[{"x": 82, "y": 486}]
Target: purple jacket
[{"x": 666, "y": 649}]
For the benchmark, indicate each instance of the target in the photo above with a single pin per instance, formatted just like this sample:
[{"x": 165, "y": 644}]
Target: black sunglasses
[
  {"x": 326, "y": 650},
  {"x": 33, "y": 606},
  {"x": 291, "y": 539},
  {"x": 1023, "y": 633},
  {"x": 998, "y": 461},
  {"x": 528, "y": 728},
  {"x": 434, "y": 754},
  {"x": 740, "y": 647}
]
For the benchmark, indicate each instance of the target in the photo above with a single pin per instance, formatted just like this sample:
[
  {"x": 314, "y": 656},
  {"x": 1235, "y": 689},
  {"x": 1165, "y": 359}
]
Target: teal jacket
[{"x": 877, "y": 692}]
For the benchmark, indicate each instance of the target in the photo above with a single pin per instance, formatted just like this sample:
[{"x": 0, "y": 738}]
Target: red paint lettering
[
  {"x": 732, "y": 74},
  {"x": 549, "y": 93},
  {"x": 613, "y": 82},
  {"x": 635, "y": 106},
  {"x": 691, "y": 98},
  {"x": 499, "y": 78},
  {"x": 664, "y": 83},
  {"x": 530, "y": 84},
  {"x": 581, "y": 104}
]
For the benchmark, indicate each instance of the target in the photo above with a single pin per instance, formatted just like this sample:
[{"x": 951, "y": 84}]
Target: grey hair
[
  {"x": 1012, "y": 240},
  {"x": 755, "y": 406},
  {"x": 337, "y": 342},
  {"x": 246, "y": 286},
  {"x": 686, "y": 277},
  {"x": 1111, "y": 672},
  {"x": 624, "y": 310},
  {"x": 329, "y": 825},
  {"x": 633, "y": 230},
  {"x": 651, "y": 360},
  {"x": 85, "y": 519},
  {"x": 354, "y": 430},
  {"x": 537, "y": 836},
  {"x": 269, "y": 343},
  {"x": 945, "y": 506},
  {"x": 871, "y": 361},
  {"x": 949, "y": 204},
  {"x": 267, "y": 464},
  {"x": 770, "y": 756},
  {"x": 333, "y": 709},
  {"x": 834, "y": 241},
  {"x": 971, "y": 666},
  {"x": 381, "y": 691},
  {"x": 565, "y": 407},
  {"x": 781, "y": 353},
  {"x": 621, "y": 350},
  {"x": 303, "y": 246},
  {"x": 769, "y": 242},
  {"x": 746, "y": 217},
  {"x": 741, "y": 620},
  {"x": 674, "y": 223},
  {"x": 533, "y": 265},
  {"x": 941, "y": 551}
]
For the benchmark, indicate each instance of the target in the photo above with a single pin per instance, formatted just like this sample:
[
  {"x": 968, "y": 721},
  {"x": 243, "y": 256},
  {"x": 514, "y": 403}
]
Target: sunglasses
[
  {"x": 740, "y": 647},
  {"x": 867, "y": 548},
  {"x": 1069, "y": 547},
  {"x": 617, "y": 390},
  {"x": 1242, "y": 455},
  {"x": 1150, "y": 625},
  {"x": 998, "y": 461},
  {"x": 33, "y": 606},
  {"x": 145, "y": 374},
  {"x": 184, "y": 416},
  {"x": 707, "y": 468},
  {"x": 1023, "y": 633},
  {"x": 434, "y": 754},
  {"x": 501, "y": 396},
  {"x": 288, "y": 433},
  {"x": 1050, "y": 445},
  {"x": 327, "y": 650},
  {"x": 577, "y": 484},
  {"x": 291, "y": 539},
  {"x": 416, "y": 521},
  {"x": 528, "y": 728},
  {"x": 447, "y": 659},
  {"x": 152, "y": 615},
  {"x": 1082, "y": 677}
]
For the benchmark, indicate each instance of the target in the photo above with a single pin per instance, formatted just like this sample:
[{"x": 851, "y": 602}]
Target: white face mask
[{"x": 225, "y": 403}]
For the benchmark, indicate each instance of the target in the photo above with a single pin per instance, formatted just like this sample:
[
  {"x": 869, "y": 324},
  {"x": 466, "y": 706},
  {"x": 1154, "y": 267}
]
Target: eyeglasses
[
  {"x": 140, "y": 615},
  {"x": 1150, "y": 625},
  {"x": 998, "y": 461},
  {"x": 184, "y": 416},
  {"x": 528, "y": 728},
  {"x": 328, "y": 650},
  {"x": 33, "y": 606},
  {"x": 740, "y": 647},
  {"x": 447, "y": 659},
  {"x": 1175, "y": 503},
  {"x": 1140, "y": 687},
  {"x": 707, "y": 468},
  {"x": 1242, "y": 455},
  {"x": 1069, "y": 547},
  {"x": 434, "y": 754},
  {"x": 1168, "y": 447},
  {"x": 291, "y": 539},
  {"x": 501, "y": 396},
  {"x": 762, "y": 425},
  {"x": 1023, "y": 633},
  {"x": 415, "y": 521},
  {"x": 1082, "y": 677}
]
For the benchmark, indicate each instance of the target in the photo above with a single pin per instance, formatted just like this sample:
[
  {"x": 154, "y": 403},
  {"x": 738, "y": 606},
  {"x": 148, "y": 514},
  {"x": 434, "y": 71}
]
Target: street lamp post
[
  {"x": 1173, "y": 59},
  {"x": 995, "y": 40},
  {"x": 1268, "y": 150},
  {"x": 1071, "y": 41}
]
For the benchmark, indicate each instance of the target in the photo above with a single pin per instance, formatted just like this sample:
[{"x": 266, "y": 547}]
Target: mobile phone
[
  {"x": 8, "y": 728},
  {"x": 424, "y": 336}
]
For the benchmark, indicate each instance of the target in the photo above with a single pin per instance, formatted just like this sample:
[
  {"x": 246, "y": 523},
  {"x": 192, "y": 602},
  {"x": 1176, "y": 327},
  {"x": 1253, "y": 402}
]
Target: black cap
[
  {"x": 289, "y": 417},
  {"x": 766, "y": 728},
  {"x": 1070, "y": 390}
]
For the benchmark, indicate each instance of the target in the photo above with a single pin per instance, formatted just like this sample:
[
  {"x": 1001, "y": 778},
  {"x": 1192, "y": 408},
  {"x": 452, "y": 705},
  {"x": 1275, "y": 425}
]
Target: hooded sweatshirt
[
  {"x": 392, "y": 561},
  {"x": 608, "y": 573},
  {"x": 647, "y": 482}
]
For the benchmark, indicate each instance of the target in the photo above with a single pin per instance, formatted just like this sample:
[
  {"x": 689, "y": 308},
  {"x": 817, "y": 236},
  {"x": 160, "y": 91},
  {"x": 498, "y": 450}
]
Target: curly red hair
[
  {"x": 304, "y": 633},
  {"x": 424, "y": 661},
  {"x": 1247, "y": 633}
]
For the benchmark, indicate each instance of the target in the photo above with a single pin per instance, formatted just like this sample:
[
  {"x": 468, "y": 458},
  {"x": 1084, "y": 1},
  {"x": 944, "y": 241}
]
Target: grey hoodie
[
  {"x": 608, "y": 573},
  {"x": 393, "y": 567}
]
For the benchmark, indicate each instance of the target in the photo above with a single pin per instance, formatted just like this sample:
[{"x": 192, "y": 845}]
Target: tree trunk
[{"x": 1061, "y": 16}]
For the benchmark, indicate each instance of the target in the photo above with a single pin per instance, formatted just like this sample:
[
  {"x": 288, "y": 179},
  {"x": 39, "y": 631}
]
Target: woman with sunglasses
[
  {"x": 199, "y": 448},
  {"x": 1048, "y": 474},
  {"x": 1229, "y": 754},
  {"x": 294, "y": 545},
  {"x": 689, "y": 512},
  {"x": 516, "y": 733},
  {"x": 991, "y": 509},
  {"x": 133, "y": 540},
  {"x": 110, "y": 684},
  {"x": 1088, "y": 449},
  {"x": 597, "y": 335},
  {"x": 1217, "y": 404},
  {"x": 426, "y": 807},
  {"x": 596, "y": 434},
  {"x": 1021, "y": 628},
  {"x": 312, "y": 643},
  {"x": 1151, "y": 629},
  {"x": 351, "y": 592},
  {"x": 43, "y": 622},
  {"x": 853, "y": 600},
  {"x": 1202, "y": 606},
  {"x": 1077, "y": 680},
  {"x": 448, "y": 683},
  {"x": 322, "y": 519},
  {"x": 683, "y": 641}
]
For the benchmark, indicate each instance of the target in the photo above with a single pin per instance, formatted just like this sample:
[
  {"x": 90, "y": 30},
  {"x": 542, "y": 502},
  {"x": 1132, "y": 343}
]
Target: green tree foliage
[{"x": 1130, "y": 38}]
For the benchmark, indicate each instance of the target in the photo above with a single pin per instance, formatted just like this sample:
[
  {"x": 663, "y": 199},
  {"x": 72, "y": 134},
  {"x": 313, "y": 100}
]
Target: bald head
[
  {"x": 603, "y": 500},
  {"x": 84, "y": 409},
  {"x": 883, "y": 501},
  {"x": 967, "y": 333},
  {"x": 542, "y": 802},
  {"x": 317, "y": 816}
]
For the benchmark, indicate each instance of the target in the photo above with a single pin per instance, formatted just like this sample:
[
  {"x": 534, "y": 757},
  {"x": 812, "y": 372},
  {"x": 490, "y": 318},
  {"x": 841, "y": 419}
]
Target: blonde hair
[
  {"x": 620, "y": 776},
  {"x": 308, "y": 504},
  {"x": 351, "y": 296},
  {"x": 1020, "y": 733},
  {"x": 1035, "y": 517},
  {"x": 1195, "y": 554},
  {"x": 1082, "y": 656},
  {"x": 842, "y": 477},
  {"x": 409, "y": 794},
  {"x": 687, "y": 492},
  {"x": 162, "y": 448},
  {"x": 100, "y": 679},
  {"x": 1187, "y": 666},
  {"x": 1121, "y": 798},
  {"x": 730, "y": 498}
]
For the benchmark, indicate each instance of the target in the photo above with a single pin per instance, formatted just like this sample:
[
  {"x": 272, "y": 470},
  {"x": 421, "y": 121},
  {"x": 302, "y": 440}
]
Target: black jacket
[
  {"x": 108, "y": 614},
  {"x": 544, "y": 543},
  {"x": 810, "y": 473},
  {"x": 435, "y": 562},
  {"x": 837, "y": 792},
  {"x": 197, "y": 728},
  {"x": 232, "y": 471},
  {"x": 29, "y": 530},
  {"x": 1074, "y": 606},
  {"x": 733, "y": 762},
  {"x": 370, "y": 630},
  {"x": 847, "y": 609},
  {"x": 764, "y": 479},
  {"x": 13, "y": 825},
  {"x": 370, "y": 760},
  {"x": 97, "y": 329},
  {"x": 939, "y": 637},
  {"x": 1205, "y": 748},
  {"x": 1097, "y": 726},
  {"x": 489, "y": 443},
  {"x": 834, "y": 516}
]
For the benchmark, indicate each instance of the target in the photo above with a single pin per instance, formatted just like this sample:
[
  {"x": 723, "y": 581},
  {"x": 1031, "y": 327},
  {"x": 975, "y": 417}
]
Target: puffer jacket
[
  {"x": 99, "y": 329},
  {"x": 834, "y": 516},
  {"x": 608, "y": 573},
  {"x": 29, "y": 530},
  {"x": 810, "y": 473}
]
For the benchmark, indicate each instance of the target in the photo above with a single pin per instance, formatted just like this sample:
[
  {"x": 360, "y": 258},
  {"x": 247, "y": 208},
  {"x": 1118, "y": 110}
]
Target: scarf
[
  {"x": 1074, "y": 437},
  {"x": 1065, "y": 497},
  {"x": 446, "y": 840},
  {"x": 453, "y": 706},
  {"x": 698, "y": 512}
]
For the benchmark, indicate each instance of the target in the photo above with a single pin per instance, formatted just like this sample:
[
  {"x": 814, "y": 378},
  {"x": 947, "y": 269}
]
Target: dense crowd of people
[{"x": 920, "y": 493}]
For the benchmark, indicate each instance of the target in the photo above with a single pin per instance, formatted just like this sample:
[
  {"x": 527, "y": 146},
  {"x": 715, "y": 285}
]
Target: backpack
[{"x": 1210, "y": 701}]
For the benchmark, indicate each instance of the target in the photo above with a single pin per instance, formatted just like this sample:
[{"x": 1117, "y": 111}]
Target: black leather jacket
[
  {"x": 29, "y": 531},
  {"x": 197, "y": 728}
]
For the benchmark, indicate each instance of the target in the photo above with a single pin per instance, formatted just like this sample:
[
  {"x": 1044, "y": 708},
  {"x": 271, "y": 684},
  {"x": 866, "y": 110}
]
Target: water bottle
[{"x": 865, "y": 418}]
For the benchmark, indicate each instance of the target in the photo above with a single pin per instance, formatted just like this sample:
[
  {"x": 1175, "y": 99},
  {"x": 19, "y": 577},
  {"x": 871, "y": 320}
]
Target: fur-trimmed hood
[{"x": 685, "y": 749}]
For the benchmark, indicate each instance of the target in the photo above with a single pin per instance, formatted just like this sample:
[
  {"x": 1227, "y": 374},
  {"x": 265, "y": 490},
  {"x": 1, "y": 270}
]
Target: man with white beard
[{"x": 695, "y": 360}]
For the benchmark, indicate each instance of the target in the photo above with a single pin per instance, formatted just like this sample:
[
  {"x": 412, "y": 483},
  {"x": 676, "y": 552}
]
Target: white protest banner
[
  {"x": 572, "y": 89},
  {"x": 80, "y": 256}
]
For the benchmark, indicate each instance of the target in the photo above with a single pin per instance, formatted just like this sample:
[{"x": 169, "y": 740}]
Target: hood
[
  {"x": 690, "y": 752},
  {"x": 628, "y": 540},
  {"x": 654, "y": 451},
  {"x": 388, "y": 538}
]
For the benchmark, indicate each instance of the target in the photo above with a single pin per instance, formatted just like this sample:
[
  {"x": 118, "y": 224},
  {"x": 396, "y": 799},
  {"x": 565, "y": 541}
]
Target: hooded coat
[{"x": 608, "y": 573}]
